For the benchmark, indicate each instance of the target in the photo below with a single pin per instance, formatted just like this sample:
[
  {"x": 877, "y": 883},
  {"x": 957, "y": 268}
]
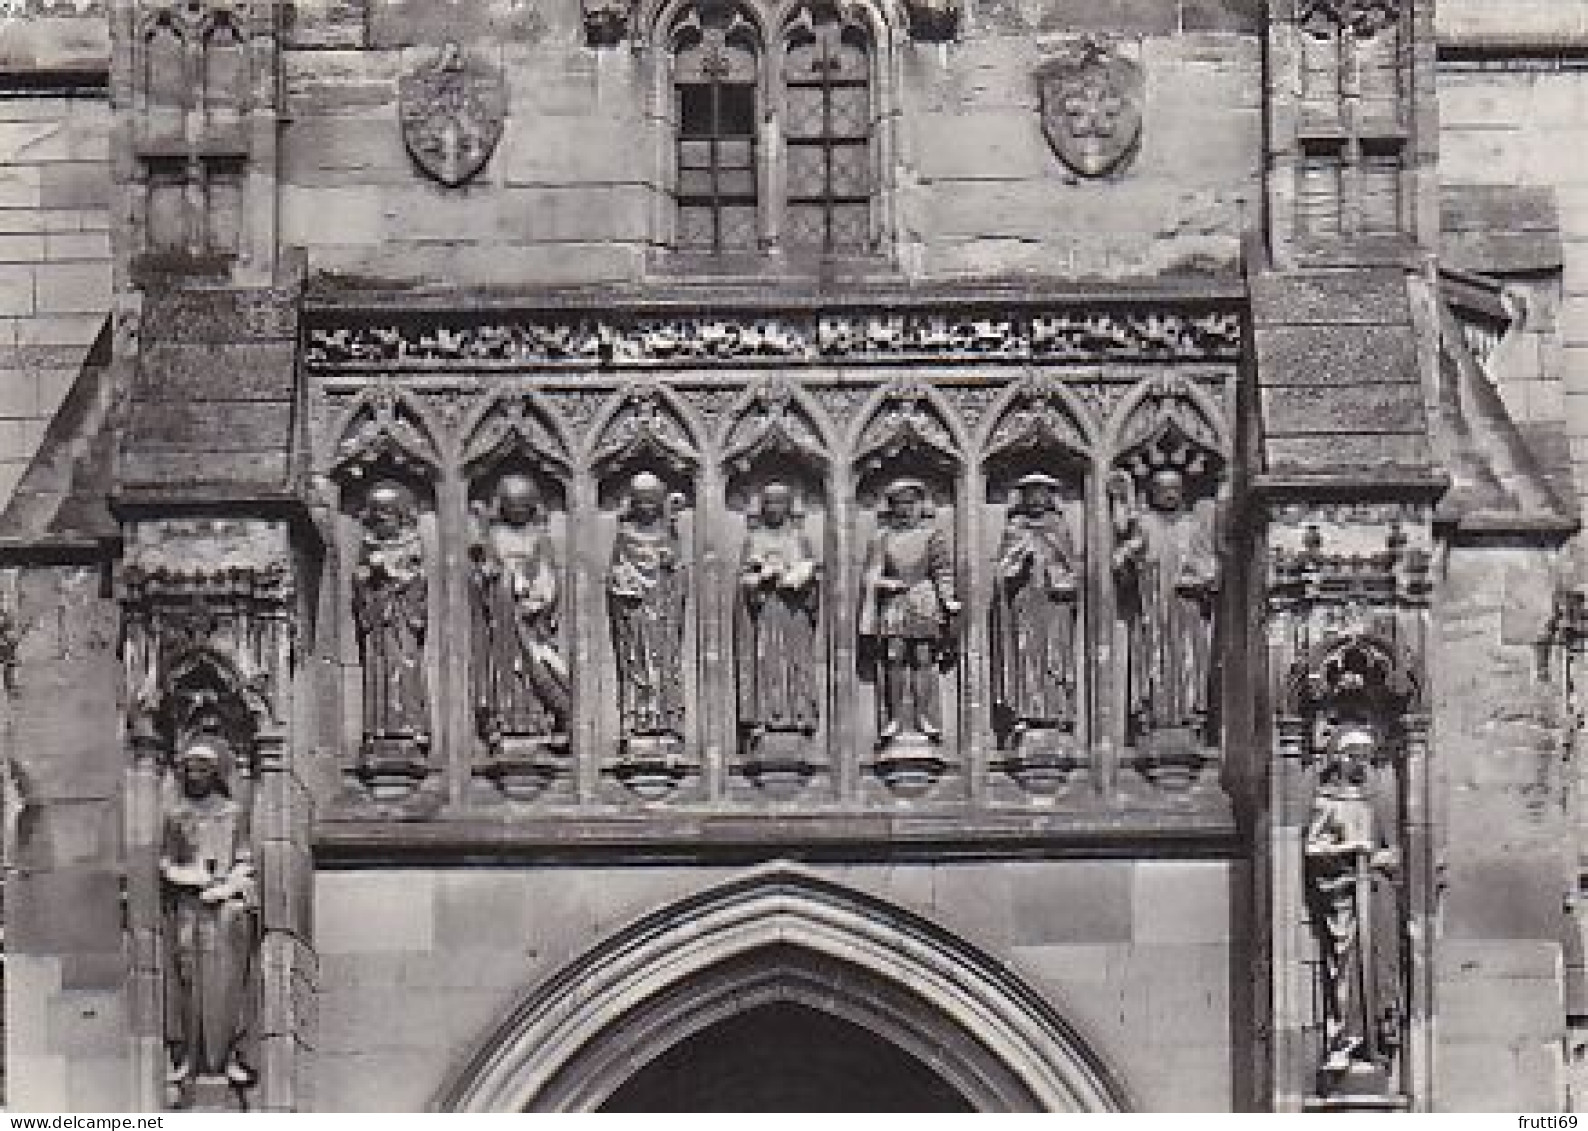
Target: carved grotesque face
[
  {"x": 387, "y": 512},
  {"x": 1166, "y": 491},
  {"x": 777, "y": 503},
  {"x": 1036, "y": 498},
  {"x": 516, "y": 500},
  {"x": 199, "y": 769},
  {"x": 647, "y": 497}
]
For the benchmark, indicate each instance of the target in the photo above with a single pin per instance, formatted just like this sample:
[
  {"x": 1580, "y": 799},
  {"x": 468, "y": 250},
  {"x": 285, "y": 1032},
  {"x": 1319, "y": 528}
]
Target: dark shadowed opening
[{"x": 785, "y": 1057}]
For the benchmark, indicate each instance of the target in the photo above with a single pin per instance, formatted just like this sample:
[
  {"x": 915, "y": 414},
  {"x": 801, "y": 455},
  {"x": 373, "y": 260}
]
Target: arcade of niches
[{"x": 657, "y": 555}]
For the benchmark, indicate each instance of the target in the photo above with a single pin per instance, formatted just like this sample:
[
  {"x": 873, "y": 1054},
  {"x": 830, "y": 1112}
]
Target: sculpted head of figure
[
  {"x": 1166, "y": 490},
  {"x": 647, "y": 497},
  {"x": 1036, "y": 493},
  {"x": 199, "y": 767},
  {"x": 389, "y": 509},
  {"x": 517, "y": 499},
  {"x": 777, "y": 504},
  {"x": 1351, "y": 753},
  {"x": 907, "y": 501}
]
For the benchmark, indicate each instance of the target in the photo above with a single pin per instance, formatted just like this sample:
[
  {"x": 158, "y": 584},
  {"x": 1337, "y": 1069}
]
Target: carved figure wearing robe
[
  {"x": 1353, "y": 864},
  {"x": 646, "y": 595},
  {"x": 390, "y": 606},
  {"x": 1033, "y": 613},
  {"x": 1166, "y": 560},
  {"x": 521, "y": 685},
  {"x": 908, "y": 613},
  {"x": 779, "y": 600},
  {"x": 211, "y": 924}
]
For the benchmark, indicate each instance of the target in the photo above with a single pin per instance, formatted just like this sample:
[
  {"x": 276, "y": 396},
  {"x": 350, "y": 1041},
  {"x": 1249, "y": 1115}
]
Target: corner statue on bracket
[
  {"x": 908, "y": 615},
  {"x": 779, "y": 671},
  {"x": 1352, "y": 871},
  {"x": 647, "y": 593},
  {"x": 207, "y": 885}
]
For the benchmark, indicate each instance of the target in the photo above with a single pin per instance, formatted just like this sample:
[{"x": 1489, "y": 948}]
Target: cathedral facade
[{"x": 884, "y": 555}]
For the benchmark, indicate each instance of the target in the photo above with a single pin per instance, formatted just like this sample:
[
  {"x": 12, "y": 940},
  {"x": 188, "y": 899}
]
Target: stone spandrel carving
[
  {"x": 1353, "y": 865},
  {"x": 908, "y": 619},
  {"x": 1167, "y": 569},
  {"x": 391, "y": 612},
  {"x": 520, "y": 676},
  {"x": 210, "y": 912},
  {"x": 1034, "y": 616},
  {"x": 647, "y": 597},
  {"x": 780, "y": 673}
]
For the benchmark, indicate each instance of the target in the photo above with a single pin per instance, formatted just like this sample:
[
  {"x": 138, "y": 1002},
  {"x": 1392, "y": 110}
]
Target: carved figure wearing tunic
[
  {"x": 779, "y": 672},
  {"x": 207, "y": 881},
  {"x": 521, "y": 683},
  {"x": 390, "y": 606},
  {"x": 1033, "y": 613},
  {"x": 908, "y": 612},
  {"x": 647, "y": 594},
  {"x": 1352, "y": 868},
  {"x": 1167, "y": 561}
]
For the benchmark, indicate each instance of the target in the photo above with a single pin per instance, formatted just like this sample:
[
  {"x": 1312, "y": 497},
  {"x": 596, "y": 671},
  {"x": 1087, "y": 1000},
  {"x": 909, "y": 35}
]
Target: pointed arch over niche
[{"x": 782, "y": 934}]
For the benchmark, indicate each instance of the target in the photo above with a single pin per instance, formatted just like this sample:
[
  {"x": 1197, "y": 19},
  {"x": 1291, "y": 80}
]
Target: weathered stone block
[
  {"x": 374, "y": 912},
  {"x": 72, "y": 288},
  {"x": 1517, "y": 898},
  {"x": 1082, "y": 902},
  {"x": 74, "y": 184},
  {"x": 1184, "y": 903}
]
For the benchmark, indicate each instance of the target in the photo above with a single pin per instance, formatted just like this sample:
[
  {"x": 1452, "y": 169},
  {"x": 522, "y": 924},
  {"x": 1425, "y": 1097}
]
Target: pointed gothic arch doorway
[{"x": 782, "y": 945}]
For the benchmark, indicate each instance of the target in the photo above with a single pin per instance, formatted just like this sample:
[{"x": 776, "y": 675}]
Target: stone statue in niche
[
  {"x": 520, "y": 678},
  {"x": 1167, "y": 568},
  {"x": 1034, "y": 615},
  {"x": 1353, "y": 864},
  {"x": 779, "y": 602},
  {"x": 391, "y": 608},
  {"x": 211, "y": 916},
  {"x": 647, "y": 592},
  {"x": 908, "y": 615}
]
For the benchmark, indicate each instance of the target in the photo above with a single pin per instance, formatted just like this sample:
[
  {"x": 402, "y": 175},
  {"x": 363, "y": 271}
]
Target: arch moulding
[{"x": 782, "y": 934}]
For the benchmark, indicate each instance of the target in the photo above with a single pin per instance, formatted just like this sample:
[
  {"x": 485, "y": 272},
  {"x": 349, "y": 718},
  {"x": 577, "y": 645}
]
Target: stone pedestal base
[
  {"x": 652, "y": 765},
  {"x": 1359, "y": 1087},
  {"x": 779, "y": 762},
  {"x": 206, "y": 1093},
  {"x": 522, "y": 765},
  {"x": 1042, "y": 759},
  {"x": 910, "y": 764},
  {"x": 392, "y": 765},
  {"x": 1171, "y": 758}
]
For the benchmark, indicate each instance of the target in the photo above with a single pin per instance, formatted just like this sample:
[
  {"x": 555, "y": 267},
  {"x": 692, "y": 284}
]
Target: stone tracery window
[{"x": 771, "y": 151}]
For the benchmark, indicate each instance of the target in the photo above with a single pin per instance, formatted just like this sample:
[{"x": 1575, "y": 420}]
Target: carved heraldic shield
[
  {"x": 1091, "y": 108},
  {"x": 452, "y": 113}
]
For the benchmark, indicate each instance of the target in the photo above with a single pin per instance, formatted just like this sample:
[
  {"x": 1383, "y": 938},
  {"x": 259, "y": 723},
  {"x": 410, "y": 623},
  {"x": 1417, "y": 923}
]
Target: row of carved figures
[{"x": 1165, "y": 564}]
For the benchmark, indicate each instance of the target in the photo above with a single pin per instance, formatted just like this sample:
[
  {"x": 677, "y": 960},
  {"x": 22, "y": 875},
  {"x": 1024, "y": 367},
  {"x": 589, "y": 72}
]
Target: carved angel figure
[
  {"x": 211, "y": 928},
  {"x": 390, "y": 607},
  {"x": 521, "y": 685},
  {"x": 1033, "y": 613},
  {"x": 1352, "y": 869},
  {"x": 908, "y": 612},
  {"x": 1167, "y": 566},
  {"x": 646, "y": 596},
  {"x": 775, "y": 624}
]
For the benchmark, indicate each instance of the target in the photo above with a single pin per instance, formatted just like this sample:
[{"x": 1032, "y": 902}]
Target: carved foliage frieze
[{"x": 1077, "y": 334}]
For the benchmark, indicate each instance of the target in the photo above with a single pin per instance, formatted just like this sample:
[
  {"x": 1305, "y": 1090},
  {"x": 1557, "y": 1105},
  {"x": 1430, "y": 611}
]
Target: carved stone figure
[
  {"x": 1092, "y": 100},
  {"x": 779, "y": 671},
  {"x": 1166, "y": 561},
  {"x": 1353, "y": 865},
  {"x": 908, "y": 614},
  {"x": 390, "y": 606},
  {"x": 207, "y": 881},
  {"x": 1033, "y": 614},
  {"x": 647, "y": 592},
  {"x": 521, "y": 686}
]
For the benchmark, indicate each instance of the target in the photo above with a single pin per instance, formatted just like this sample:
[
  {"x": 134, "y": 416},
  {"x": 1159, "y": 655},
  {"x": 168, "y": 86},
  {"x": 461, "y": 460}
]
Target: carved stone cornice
[
  {"x": 1170, "y": 332},
  {"x": 1350, "y": 554}
]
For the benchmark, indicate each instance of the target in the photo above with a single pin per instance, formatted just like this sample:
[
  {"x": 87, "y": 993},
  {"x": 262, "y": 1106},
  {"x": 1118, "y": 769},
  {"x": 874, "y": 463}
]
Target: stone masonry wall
[
  {"x": 417, "y": 966},
  {"x": 66, "y": 1009},
  {"x": 55, "y": 257},
  {"x": 573, "y": 192}
]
